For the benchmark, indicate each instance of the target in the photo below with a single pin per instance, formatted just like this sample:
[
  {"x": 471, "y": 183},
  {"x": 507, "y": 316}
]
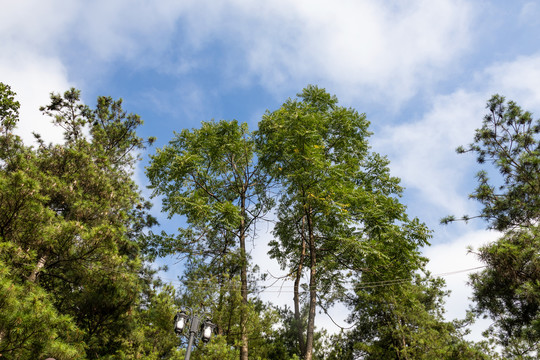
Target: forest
[{"x": 78, "y": 243}]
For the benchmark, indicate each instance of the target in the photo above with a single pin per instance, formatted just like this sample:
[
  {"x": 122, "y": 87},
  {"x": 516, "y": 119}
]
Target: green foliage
[
  {"x": 208, "y": 175},
  {"x": 397, "y": 313},
  {"x": 73, "y": 279},
  {"x": 152, "y": 336},
  {"x": 30, "y": 326},
  {"x": 282, "y": 342},
  {"x": 339, "y": 205},
  {"x": 204, "y": 175},
  {"x": 509, "y": 140},
  {"x": 9, "y": 109},
  {"x": 404, "y": 320},
  {"x": 70, "y": 221},
  {"x": 508, "y": 289}
]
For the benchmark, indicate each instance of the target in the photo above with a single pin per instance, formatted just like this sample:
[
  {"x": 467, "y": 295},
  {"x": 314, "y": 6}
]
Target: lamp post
[{"x": 205, "y": 329}]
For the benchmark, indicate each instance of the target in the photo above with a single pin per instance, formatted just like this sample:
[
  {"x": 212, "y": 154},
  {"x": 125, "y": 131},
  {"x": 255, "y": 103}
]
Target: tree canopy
[
  {"x": 508, "y": 289},
  {"x": 70, "y": 219},
  {"x": 77, "y": 271},
  {"x": 209, "y": 176},
  {"x": 339, "y": 213}
]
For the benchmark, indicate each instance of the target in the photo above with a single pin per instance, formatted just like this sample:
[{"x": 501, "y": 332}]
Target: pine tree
[
  {"x": 70, "y": 222},
  {"x": 508, "y": 289}
]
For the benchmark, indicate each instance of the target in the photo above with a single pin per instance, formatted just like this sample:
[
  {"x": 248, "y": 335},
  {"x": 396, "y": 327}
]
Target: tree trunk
[
  {"x": 244, "y": 286},
  {"x": 312, "y": 289},
  {"x": 297, "y": 315},
  {"x": 220, "y": 303}
]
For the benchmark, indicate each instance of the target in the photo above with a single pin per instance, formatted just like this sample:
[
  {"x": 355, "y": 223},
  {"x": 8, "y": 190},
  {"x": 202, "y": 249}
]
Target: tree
[
  {"x": 92, "y": 262},
  {"x": 403, "y": 319},
  {"x": 70, "y": 221},
  {"x": 283, "y": 340},
  {"x": 208, "y": 175},
  {"x": 338, "y": 199},
  {"x": 152, "y": 337},
  {"x": 29, "y": 323},
  {"x": 508, "y": 289}
]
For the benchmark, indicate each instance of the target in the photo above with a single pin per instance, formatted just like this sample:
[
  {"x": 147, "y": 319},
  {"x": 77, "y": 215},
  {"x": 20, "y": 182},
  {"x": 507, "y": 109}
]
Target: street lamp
[
  {"x": 205, "y": 329},
  {"x": 180, "y": 321}
]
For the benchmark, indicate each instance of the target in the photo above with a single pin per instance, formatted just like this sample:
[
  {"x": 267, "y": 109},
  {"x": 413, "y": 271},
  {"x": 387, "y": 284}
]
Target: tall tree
[
  {"x": 397, "y": 313},
  {"x": 70, "y": 219},
  {"x": 208, "y": 175},
  {"x": 337, "y": 200},
  {"x": 30, "y": 325},
  {"x": 508, "y": 289},
  {"x": 90, "y": 189}
]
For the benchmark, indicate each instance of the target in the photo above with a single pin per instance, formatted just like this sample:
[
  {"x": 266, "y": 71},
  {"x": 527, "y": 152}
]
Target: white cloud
[
  {"x": 367, "y": 48},
  {"x": 30, "y": 32},
  {"x": 122, "y": 30},
  {"x": 38, "y": 36},
  {"x": 529, "y": 13},
  {"x": 106, "y": 30},
  {"x": 33, "y": 77},
  {"x": 37, "y": 26},
  {"x": 382, "y": 51},
  {"x": 423, "y": 153},
  {"x": 517, "y": 80},
  {"x": 363, "y": 49}
]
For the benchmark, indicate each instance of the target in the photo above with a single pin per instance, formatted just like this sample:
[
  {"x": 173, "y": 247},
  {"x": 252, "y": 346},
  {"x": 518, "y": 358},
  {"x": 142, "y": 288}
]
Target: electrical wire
[
  {"x": 365, "y": 285},
  {"x": 210, "y": 285}
]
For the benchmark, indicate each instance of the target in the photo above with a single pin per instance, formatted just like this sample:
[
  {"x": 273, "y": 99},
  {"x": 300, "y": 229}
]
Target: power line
[
  {"x": 371, "y": 284},
  {"x": 210, "y": 284}
]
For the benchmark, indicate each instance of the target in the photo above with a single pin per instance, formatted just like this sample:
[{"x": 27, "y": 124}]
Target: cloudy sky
[{"x": 422, "y": 72}]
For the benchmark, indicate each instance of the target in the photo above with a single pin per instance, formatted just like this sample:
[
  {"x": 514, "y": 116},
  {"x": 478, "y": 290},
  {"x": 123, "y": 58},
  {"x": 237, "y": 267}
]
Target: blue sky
[{"x": 422, "y": 72}]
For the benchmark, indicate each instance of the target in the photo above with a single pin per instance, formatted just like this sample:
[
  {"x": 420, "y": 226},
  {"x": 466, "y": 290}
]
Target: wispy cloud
[
  {"x": 366, "y": 49},
  {"x": 363, "y": 49},
  {"x": 517, "y": 79},
  {"x": 33, "y": 78},
  {"x": 370, "y": 50},
  {"x": 423, "y": 151}
]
